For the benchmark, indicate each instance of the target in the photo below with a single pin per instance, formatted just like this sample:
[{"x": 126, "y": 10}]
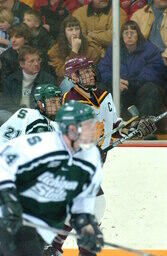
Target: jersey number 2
[{"x": 11, "y": 133}]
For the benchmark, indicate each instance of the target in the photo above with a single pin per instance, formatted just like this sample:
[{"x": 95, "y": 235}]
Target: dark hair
[
  {"x": 134, "y": 26},
  {"x": 27, "y": 49},
  {"x": 63, "y": 43},
  {"x": 21, "y": 30}
]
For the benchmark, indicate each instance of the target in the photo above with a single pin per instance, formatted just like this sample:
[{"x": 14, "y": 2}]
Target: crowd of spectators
[{"x": 37, "y": 37}]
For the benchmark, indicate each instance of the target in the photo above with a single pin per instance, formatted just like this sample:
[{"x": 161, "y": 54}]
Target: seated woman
[
  {"x": 140, "y": 72},
  {"x": 70, "y": 43}
]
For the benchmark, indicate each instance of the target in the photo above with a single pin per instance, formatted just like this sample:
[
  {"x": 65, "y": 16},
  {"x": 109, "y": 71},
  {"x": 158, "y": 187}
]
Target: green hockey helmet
[
  {"x": 46, "y": 91},
  {"x": 74, "y": 113}
]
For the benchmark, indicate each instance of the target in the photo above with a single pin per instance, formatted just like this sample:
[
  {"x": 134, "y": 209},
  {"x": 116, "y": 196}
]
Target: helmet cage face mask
[
  {"x": 78, "y": 66},
  {"x": 86, "y": 75},
  {"x": 50, "y": 96},
  {"x": 51, "y": 106}
]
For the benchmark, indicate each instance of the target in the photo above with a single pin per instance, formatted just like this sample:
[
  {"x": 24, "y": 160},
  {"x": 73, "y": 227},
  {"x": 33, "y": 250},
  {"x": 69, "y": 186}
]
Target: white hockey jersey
[
  {"x": 106, "y": 115},
  {"x": 25, "y": 121},
  {"x": 49, "y": 179}
]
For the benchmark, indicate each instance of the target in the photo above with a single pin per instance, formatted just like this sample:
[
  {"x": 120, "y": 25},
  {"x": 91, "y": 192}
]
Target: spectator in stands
[
  {"x": 18, "y": 88},
  {"x": 41, "y": 37},
  {"x": 17, "y": 9},
  {"x": 6, "y": 21},
  {"x": 140, "y": 71},
  {"x": 75, "y": 4},
  {"x": 19, "y": 35},
  {"x": 52, "y": 13},
  {"x": 152, "y": 20},
  {"x": 96, "y": 22},
  {"x": 69, "y": 5},
  {"x": 30, "y": 3},
  {"x": 164, "y": 56},
  {"x": 70, "y": 43},
  {"x": 131, "y": 6}
]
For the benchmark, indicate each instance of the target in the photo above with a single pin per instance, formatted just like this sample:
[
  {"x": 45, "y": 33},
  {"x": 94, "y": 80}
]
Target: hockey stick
[
  {"x": 158, "y": 118},
  {"x": 135, "y": 114},
  {"x": 133, "y": 134},
  {"x": 123, "y": 124},
  {"x": 74, "y": 235},
  {"x": 117, "y": 129}
]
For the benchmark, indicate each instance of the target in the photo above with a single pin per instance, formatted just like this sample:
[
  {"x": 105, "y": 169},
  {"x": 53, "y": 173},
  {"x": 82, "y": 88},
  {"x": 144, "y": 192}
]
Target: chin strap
[{"x": 86, "y": 88}]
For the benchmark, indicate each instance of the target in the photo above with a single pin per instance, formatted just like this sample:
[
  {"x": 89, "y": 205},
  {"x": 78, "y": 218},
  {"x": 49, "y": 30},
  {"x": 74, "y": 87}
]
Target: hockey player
[
  {"x": 47, "y": 99},
  {"x": 80, "y": 71},
  {"x": 46, "y": 176}
]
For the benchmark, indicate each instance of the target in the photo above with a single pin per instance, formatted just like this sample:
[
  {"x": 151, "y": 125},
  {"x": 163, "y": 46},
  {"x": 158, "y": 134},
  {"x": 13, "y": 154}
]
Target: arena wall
[{"x": 135, "y": 186}]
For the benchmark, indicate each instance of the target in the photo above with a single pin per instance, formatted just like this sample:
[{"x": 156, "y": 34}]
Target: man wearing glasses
[{"x": 19, "y": 87}]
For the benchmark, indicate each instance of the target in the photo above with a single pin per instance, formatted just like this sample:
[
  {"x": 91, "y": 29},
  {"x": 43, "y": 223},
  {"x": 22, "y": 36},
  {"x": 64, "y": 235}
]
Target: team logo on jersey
[
  {"x": 64, "y": 169},
  {"x": 50, "y": 188},
  {"x": 54, "y": 164},
  {"x": 41, "y": 129}
]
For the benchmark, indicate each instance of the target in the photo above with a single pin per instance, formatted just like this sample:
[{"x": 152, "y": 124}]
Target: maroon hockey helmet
[{"x": 75, "y": 64}]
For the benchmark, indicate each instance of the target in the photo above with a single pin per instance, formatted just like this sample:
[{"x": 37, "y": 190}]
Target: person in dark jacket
[
  {"x": 140, "y": 72},
  {"x": 19, "y": 35},
  {"x": 52, "y": 13},
  {"x": 41, "y": 37},
  {"x": 19, "y": 86}
]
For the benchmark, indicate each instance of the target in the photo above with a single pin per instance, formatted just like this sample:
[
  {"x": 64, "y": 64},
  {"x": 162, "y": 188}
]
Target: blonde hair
[{"x": 6, "y": 15}]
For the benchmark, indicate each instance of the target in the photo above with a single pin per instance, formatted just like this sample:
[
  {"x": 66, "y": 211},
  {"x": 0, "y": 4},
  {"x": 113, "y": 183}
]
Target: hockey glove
[
  {"x": 90, "y": 236},
  {"x": 146, "y": 126},
  {"x": 49, "y": 250},
  {"x": 11, "y": 210}
]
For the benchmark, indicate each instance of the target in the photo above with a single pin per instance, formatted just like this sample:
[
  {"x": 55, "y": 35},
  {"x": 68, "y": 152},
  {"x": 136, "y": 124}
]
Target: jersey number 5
[{"x": 22, "y": 113}]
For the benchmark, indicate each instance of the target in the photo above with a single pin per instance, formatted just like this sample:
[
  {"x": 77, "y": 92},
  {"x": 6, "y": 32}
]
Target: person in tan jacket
[
  {"x": 152, "y": 20},
  {"x": 96, "y": 22},
  {"x": 71, "y": 43}
]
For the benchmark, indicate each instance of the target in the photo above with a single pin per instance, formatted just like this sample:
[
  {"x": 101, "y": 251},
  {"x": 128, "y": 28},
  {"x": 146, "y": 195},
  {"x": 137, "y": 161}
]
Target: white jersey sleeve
[
  {"x": 24, "y": 121},
  {"x": 54, "y": 126},
  {"x": 85, "y": 201},
  {"x": 9, "y": 157}
]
